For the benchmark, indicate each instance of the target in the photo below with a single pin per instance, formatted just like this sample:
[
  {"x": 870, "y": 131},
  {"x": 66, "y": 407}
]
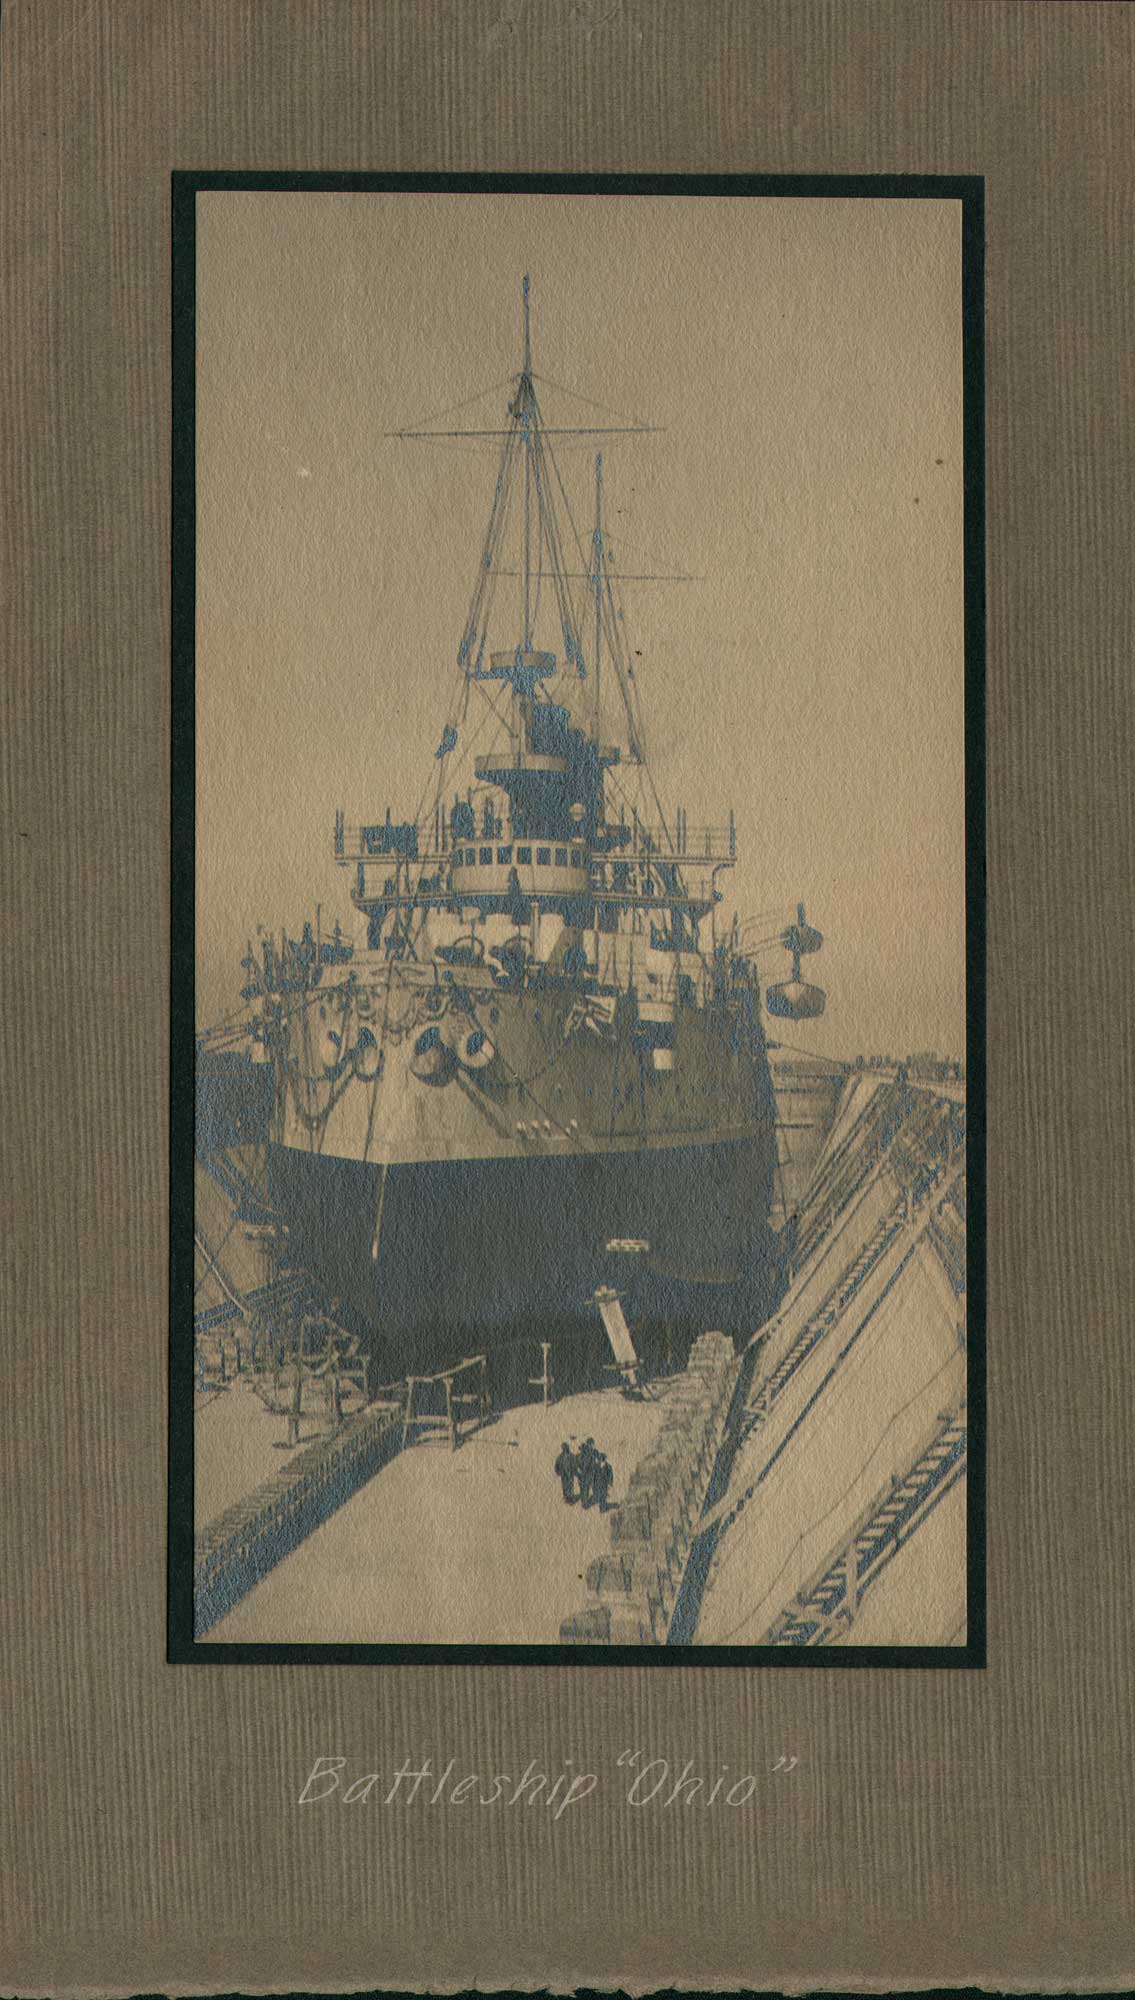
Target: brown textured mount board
[{"x": 938, "y": 1827}]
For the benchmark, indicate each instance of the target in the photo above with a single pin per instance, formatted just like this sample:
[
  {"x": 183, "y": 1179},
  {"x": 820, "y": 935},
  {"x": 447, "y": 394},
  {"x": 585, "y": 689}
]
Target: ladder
[{"x": 825, "y": 1607}]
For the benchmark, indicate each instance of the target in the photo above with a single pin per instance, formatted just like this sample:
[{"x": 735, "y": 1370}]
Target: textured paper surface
[{"x": 936, "y": 1827}]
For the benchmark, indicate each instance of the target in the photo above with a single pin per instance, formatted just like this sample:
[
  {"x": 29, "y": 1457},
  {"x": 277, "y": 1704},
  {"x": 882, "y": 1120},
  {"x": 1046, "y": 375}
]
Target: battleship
[{"x": 538, "y": 1067}]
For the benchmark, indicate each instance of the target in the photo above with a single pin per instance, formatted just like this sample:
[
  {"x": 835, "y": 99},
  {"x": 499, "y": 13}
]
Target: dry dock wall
[
  {"x": 844, "y": 1517},
  {"x": 633, "y": 1588},
  {"x": 859, "y": 1415}
]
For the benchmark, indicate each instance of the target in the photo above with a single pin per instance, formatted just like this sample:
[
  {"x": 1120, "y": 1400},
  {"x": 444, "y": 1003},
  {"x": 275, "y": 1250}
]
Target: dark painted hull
[{"x": 480, "y": 1256}]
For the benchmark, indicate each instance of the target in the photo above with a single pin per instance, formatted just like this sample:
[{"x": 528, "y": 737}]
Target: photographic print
[{"x": 578, "y": 928}]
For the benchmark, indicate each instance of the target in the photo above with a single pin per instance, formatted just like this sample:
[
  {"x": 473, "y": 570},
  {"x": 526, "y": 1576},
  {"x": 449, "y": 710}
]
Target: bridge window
[
  {"x": 504, "y": 854},
  {"x": 561, "y": 857},
  {"x": 577, "y": 857},
  {"x": 486, "y": 856},
  {"x": 543, "y": 857},
  {"x": 458, "y": 857},
  {"x": 524, "y": 854},
  {"x": 470, "y": 856}
]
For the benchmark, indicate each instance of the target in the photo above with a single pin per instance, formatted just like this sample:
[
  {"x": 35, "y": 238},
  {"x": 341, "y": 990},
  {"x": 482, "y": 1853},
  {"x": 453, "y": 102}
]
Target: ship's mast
[
  {"x": 525, "y": 402},
  {"x": 596, "y": 725},
  {"x": 523, "y": 666}
]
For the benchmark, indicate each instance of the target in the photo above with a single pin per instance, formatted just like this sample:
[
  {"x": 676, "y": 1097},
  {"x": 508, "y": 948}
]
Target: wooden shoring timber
[
  {"x": 544, "y": 1379},
  {"x": 448, "y": 1423}
]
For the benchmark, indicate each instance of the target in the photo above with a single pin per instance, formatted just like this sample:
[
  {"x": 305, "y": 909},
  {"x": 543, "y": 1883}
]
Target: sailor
[
  {"x": 588, "y": 1460},
  {"x": 565, "y": 1467}
]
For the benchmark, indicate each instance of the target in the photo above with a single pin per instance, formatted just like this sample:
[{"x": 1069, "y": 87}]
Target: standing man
[
  {"x": 604, "y": 1474},
  {"x": 588, "y": 1460},
  {"x": 565, "y": 1466}
]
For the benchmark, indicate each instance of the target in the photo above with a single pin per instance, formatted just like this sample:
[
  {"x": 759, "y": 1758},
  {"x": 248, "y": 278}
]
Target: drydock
[{"x": 803, "y": 1484}]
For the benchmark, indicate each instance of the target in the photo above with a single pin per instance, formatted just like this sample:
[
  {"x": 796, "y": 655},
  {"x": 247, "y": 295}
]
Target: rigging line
[
  {"x": 840, "y": 1497},
  {"x": 463, "y": 761},
  {"x": 623, "y": 794},
  {"x": 634, "y": 719},
  {"x": 451, "y": 409},
  {"x": 485, "y": 593},
  {"x": 552, "y": 430},
  {"x": 525, "y": 1084},
  {"x": 479, "y": 450},
  {"x": 381, "y": 1072},
  {"x": 580, "y": 550},
  {"x": 591, "y": 401},
  {"x": 769, "y": 916},
  {"x": 625, "y": 576},
  {"x": 541, "y": 538},
  {"x": 568, "y": 618},
  {"x": 498, "y": 535},
  {"x": 491, "y": 699},
  {"x": 444, "y": 777},
  {"x": 813, "y": 1055},
  {"x": 489, "y": 547}
]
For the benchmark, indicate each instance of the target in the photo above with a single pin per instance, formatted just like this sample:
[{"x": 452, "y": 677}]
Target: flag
[{"x": 449, "y": 738}]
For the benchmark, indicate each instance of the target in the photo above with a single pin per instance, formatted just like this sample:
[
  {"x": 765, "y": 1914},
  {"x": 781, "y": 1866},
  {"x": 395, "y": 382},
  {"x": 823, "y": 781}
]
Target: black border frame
[{"x": 969, "y": 190}]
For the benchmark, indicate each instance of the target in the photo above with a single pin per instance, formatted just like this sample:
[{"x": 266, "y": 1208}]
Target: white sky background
[{"x": 804, "y": 357}]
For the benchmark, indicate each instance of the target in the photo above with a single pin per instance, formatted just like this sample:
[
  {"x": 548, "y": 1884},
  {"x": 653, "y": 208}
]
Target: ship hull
[{"x": 431, "y": 1261}]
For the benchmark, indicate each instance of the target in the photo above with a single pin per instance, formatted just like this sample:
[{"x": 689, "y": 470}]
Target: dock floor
[{"x": 407, "y": 1560}]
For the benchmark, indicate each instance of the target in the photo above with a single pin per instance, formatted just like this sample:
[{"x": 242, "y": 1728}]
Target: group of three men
[{"x": 588, "y": 1467}]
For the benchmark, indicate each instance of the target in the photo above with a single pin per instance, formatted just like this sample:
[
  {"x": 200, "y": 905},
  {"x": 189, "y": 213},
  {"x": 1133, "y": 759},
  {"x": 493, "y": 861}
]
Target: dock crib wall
[
  {"x": 634, "y": 1587},
  {"x": 234, "y": 1552}
]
